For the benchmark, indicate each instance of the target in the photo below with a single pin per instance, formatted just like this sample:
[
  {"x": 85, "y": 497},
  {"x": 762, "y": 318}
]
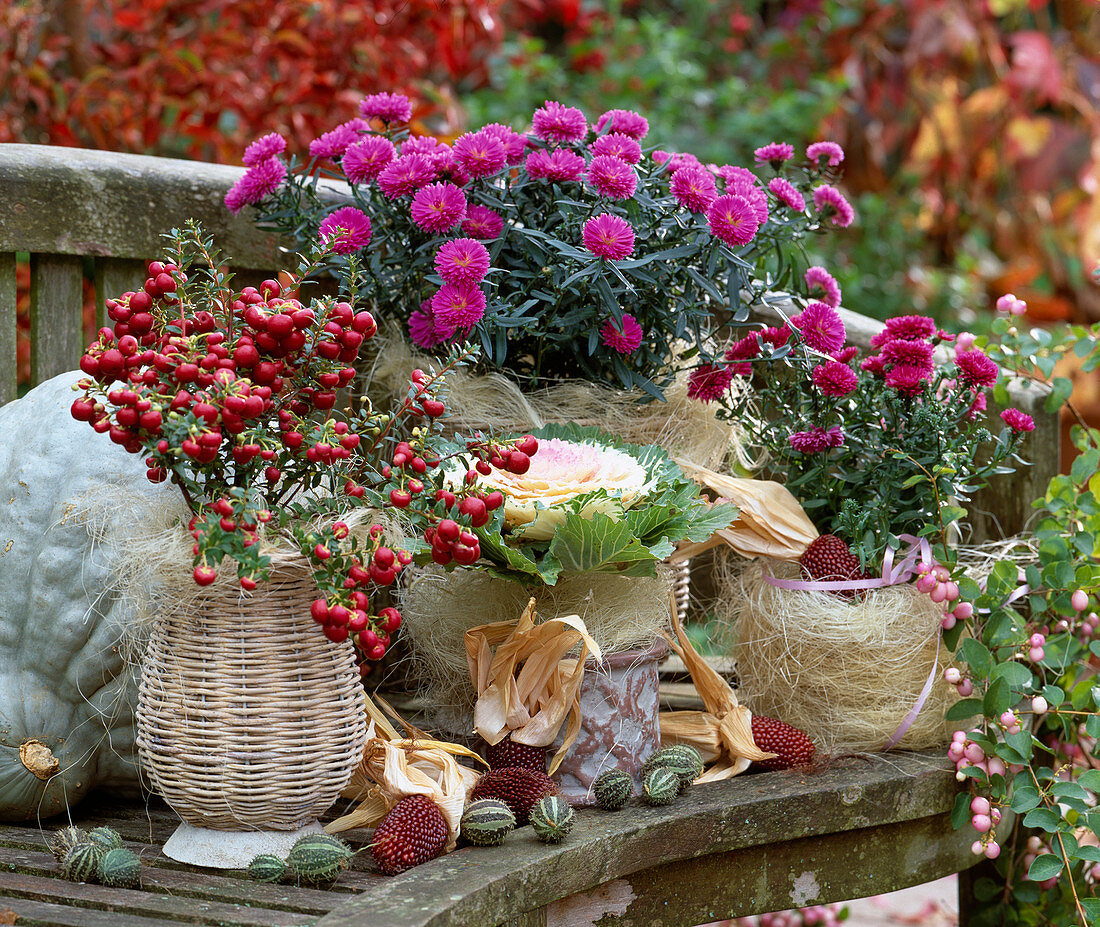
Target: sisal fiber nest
[
  {"x": 621, "y": 613},
  {"x": 847, "y": 672}
]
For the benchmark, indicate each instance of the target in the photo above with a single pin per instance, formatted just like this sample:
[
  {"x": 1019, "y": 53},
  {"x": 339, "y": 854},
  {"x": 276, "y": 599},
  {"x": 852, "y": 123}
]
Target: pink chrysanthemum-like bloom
[
  {"x": 847, "y": 355},
  {"x": 438, "y": 207},
  {"x": 624, "y": 339},
  {"x": 910, "y": 328},
  {"x": 405, "y": 175},
  {"x": 977, "y": 407},
  {"x": 462, "y": 260},
  {"x": 817, "y": 277},
  {"x": 976, "y": 369},
  {"x": 830, "y": 202},
  {"x": 776, "y": 337},
  {"x": 1017, "y": 420},
  {"x": 609, "y": 237},
  {"x": 754, "y": 193},
  {"x": 908, "y": 378},
  {"x": 389, "y": 107},
  {"x": 740, "y": 352},
  {"x": 830, "y": 150},
  {"x": 676, "y": 160},
  {"x": 479, "y": 153},
  {"x": 556, "y": 122},
  {"x": 625, "y": 122},
  {"x": 816, "y": 440},
  {"x": 775, "y": 153},
  {"x": 459, "y": 304},
  {"x": 267, "y": 146},
  {"x": 709, "y": 382},
  {"x": 425, "y": 330},
  {"x": 481, "y": 222},
  {"x": 346, "y": 230},
  {"x": 257, "y": 182},
  {"x": 733, "y": 220},
  {"x": 908, "y": 354},
  {"x": 732, "y": 174},
  {"x": 874, "y": 365},
  {"x": 694, "y": 188},
  {"x": 427, "y": 145},
  {"x": 366, "y": 159},
  {"x": 612, "y": 178},
  {"x": 333, "y": 144},
  {"x": 618, "y": 145},
  {"x": 558, "y": 165},
  {"x": 821, "y": 327},
  {"x": 834, "y": 378},
  {"x": 784, "y": 191},
  {"x": 515, "y": 145}
]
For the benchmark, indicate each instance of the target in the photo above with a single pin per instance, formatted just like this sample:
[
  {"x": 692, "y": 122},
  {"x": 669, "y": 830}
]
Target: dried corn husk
[
  {"x": 525, "y": 686},
  {"x": 395, "y": 767},
  {"x": 723, "y": 733},
  {"x": 771, "y": 523}
]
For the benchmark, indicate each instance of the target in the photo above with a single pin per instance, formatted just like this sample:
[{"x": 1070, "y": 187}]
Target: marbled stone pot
[{"x": 619, "y": 726}]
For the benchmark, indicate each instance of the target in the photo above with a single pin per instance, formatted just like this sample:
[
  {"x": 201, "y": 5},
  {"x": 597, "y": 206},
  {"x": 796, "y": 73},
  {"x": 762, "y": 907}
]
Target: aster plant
[
  {"x": 574, "y": 250},
  {"x": 875, "y": 446}
]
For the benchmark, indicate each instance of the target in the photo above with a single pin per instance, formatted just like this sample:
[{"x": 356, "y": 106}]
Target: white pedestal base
[{"x": 230, "y": 849}]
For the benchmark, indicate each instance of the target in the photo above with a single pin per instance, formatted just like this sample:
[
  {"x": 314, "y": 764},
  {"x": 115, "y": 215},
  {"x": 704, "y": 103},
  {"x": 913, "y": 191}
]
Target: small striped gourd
[
  {"x": 267, "y": 867},
  {"x": 486, "y": 822},
  {"x": 318, "y": 858},
  {"x": 81, "y": 863},
  {"x": 552, "y": 818},
  {"x": 613, "y": 787},
  {"x": 105, "y": 837},
  {"x": 120, "y": 868},
  {"x": 660, "y": 786},
  {"x": 64, "y": 840},
  {"x": 682, "y": 759}
]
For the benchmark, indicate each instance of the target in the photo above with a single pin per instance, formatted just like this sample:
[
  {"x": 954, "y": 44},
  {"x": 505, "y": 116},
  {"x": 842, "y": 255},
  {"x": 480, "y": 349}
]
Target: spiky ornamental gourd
[
  {"x": 317, "y": 859},
  {"x": 486, "y": 822},
  {"x": 613, "y": 788},
  {"x": 660, "y": 786},
  {"x": 552, "y": 818},
  {"x": 64, "y": 840},
  {"x": 105, "y": 837},
  {"x": 517, "y": 787},
  {"x": 120, "y": 868},
  {"x": 81, "y": 863},
  {"x": 267, "y": 867},
  {"x": 682, "y": 759}
]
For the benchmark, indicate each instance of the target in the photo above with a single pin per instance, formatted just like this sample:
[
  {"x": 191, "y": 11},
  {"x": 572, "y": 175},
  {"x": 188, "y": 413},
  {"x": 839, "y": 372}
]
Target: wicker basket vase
[{"x": 249, "y": 720}]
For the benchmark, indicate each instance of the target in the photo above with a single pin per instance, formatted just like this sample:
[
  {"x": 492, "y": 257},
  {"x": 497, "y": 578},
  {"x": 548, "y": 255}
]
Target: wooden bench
[{"x": 761, "y": 842}]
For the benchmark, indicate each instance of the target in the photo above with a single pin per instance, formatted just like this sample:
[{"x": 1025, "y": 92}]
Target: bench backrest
[{"x": 67, "y": 205}]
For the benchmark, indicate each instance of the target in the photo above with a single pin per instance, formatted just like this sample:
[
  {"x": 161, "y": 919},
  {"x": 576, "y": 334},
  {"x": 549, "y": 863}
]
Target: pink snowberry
[
  {"x": 952, "y": 675},
  {"x": 1039, "y": 705},
  {"x": 1079, "y": 600},
  {"x": 992, "y": 850},
  {"x": 981, "y": 823},
  {"x": 966, "y": 688},
  {"x": 979, "y": 804}
]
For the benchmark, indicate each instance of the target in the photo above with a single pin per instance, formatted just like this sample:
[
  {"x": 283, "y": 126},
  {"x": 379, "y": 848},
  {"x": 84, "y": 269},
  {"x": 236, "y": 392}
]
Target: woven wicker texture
[{"x": 248, "y": 716}]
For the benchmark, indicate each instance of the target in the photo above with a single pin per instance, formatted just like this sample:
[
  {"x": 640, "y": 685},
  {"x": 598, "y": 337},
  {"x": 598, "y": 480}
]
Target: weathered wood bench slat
[
  {"x": 57, "y": 299},
  {"x": 9, "y": 371},
  {"x": 33, "y": 913},
  {"x": 113, "y": 277}
]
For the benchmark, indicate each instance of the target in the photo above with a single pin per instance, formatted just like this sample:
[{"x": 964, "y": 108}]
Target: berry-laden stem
[{"x": 1065, "y": 857}]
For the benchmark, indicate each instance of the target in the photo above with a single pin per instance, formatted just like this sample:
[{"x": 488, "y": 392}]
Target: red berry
[
  {"x": 518, "y": 462},
  {"x": 248, "y": 583},
  {"x": 204, "y": 575},
  {"x": 321, "y": 552},
  {"x": 529, "y": 445},
  {"x": 399, "y": 498},
  {"x": 318, "y": 610},
  {"x": 336, "y": 633},
  {"x": 449, "y": 530},
  {"x": 476, "y": 510},
  {"x": 433, "y": 408}
]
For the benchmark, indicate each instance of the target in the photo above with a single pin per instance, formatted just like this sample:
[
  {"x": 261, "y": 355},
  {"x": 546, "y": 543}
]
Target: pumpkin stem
[{"x": 38, "y": 759}]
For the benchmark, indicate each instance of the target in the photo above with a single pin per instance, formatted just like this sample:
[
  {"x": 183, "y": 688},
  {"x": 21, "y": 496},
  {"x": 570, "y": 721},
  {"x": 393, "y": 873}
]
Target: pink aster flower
[
  {"x": 874, "y": 365},
  {"x": 976, "y": 369},
  {"x": 515, "y": 145},
  {"x": 405, "y": 175},
  {"x": 754, "y": 193},
  {"x": 612, "y": 178},
  {"x": 427, "y": 145},
  {"x": 816, "y": 440},
  {"x": 346, "y": 230},
  {"x": 733, "y": 220},
  {"x": 481, "y": 222},
  {"x": 608, "y": 236},
  {"x": 776, "y": 337},
  {"x": 676, "y": 160},
  {"x": 834, "y": 378},
  {"x": 462, "y": 260},
  {"x": 694, "y": 188},
  {"x": 821, "y": 327},
  {"x": 625, "y": 338},
  {"x": 830, "y": 150},
  {"x": 438, "y": 207},
  {"x": 740, "y": 352},
  {"x": 908, "y": 354},
  {"x": 389, "y": 107},
  {"x": 556, "y": 122},
  {"x": 479, "y": 153},
  {"x": 977, "y": 407},
  {"x": 709, "y": 382},
  {"x": 560, "y": 164},
  {"x": 461, "y": 305},
  {"x": 366, "y": 159},
  {"x": 255, "y": 184},
  {"x": 618, "y": 145},
  {"x": 731, "y": 173},
  {"x": 425, "y": 330},
  {"x": 775, "y": 153},
  {"x": 267, "y": 146},
  {"x": 625, "y": 122},
  {"x": 830, "y": 202},
  {"x": 819, "y": 278},
  {"x": 333, "y": 144},
  {"x": 907, "y": 378},
  {"x": 784, "y": 191},
  {"x": 910, "y": 327},
  {"x": 847, "y": 355},
  {"x": 1018, "y": 421}
]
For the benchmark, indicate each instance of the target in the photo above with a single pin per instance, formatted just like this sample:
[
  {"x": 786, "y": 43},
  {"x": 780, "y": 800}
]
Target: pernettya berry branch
[{"x": 236, "y": 398}]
